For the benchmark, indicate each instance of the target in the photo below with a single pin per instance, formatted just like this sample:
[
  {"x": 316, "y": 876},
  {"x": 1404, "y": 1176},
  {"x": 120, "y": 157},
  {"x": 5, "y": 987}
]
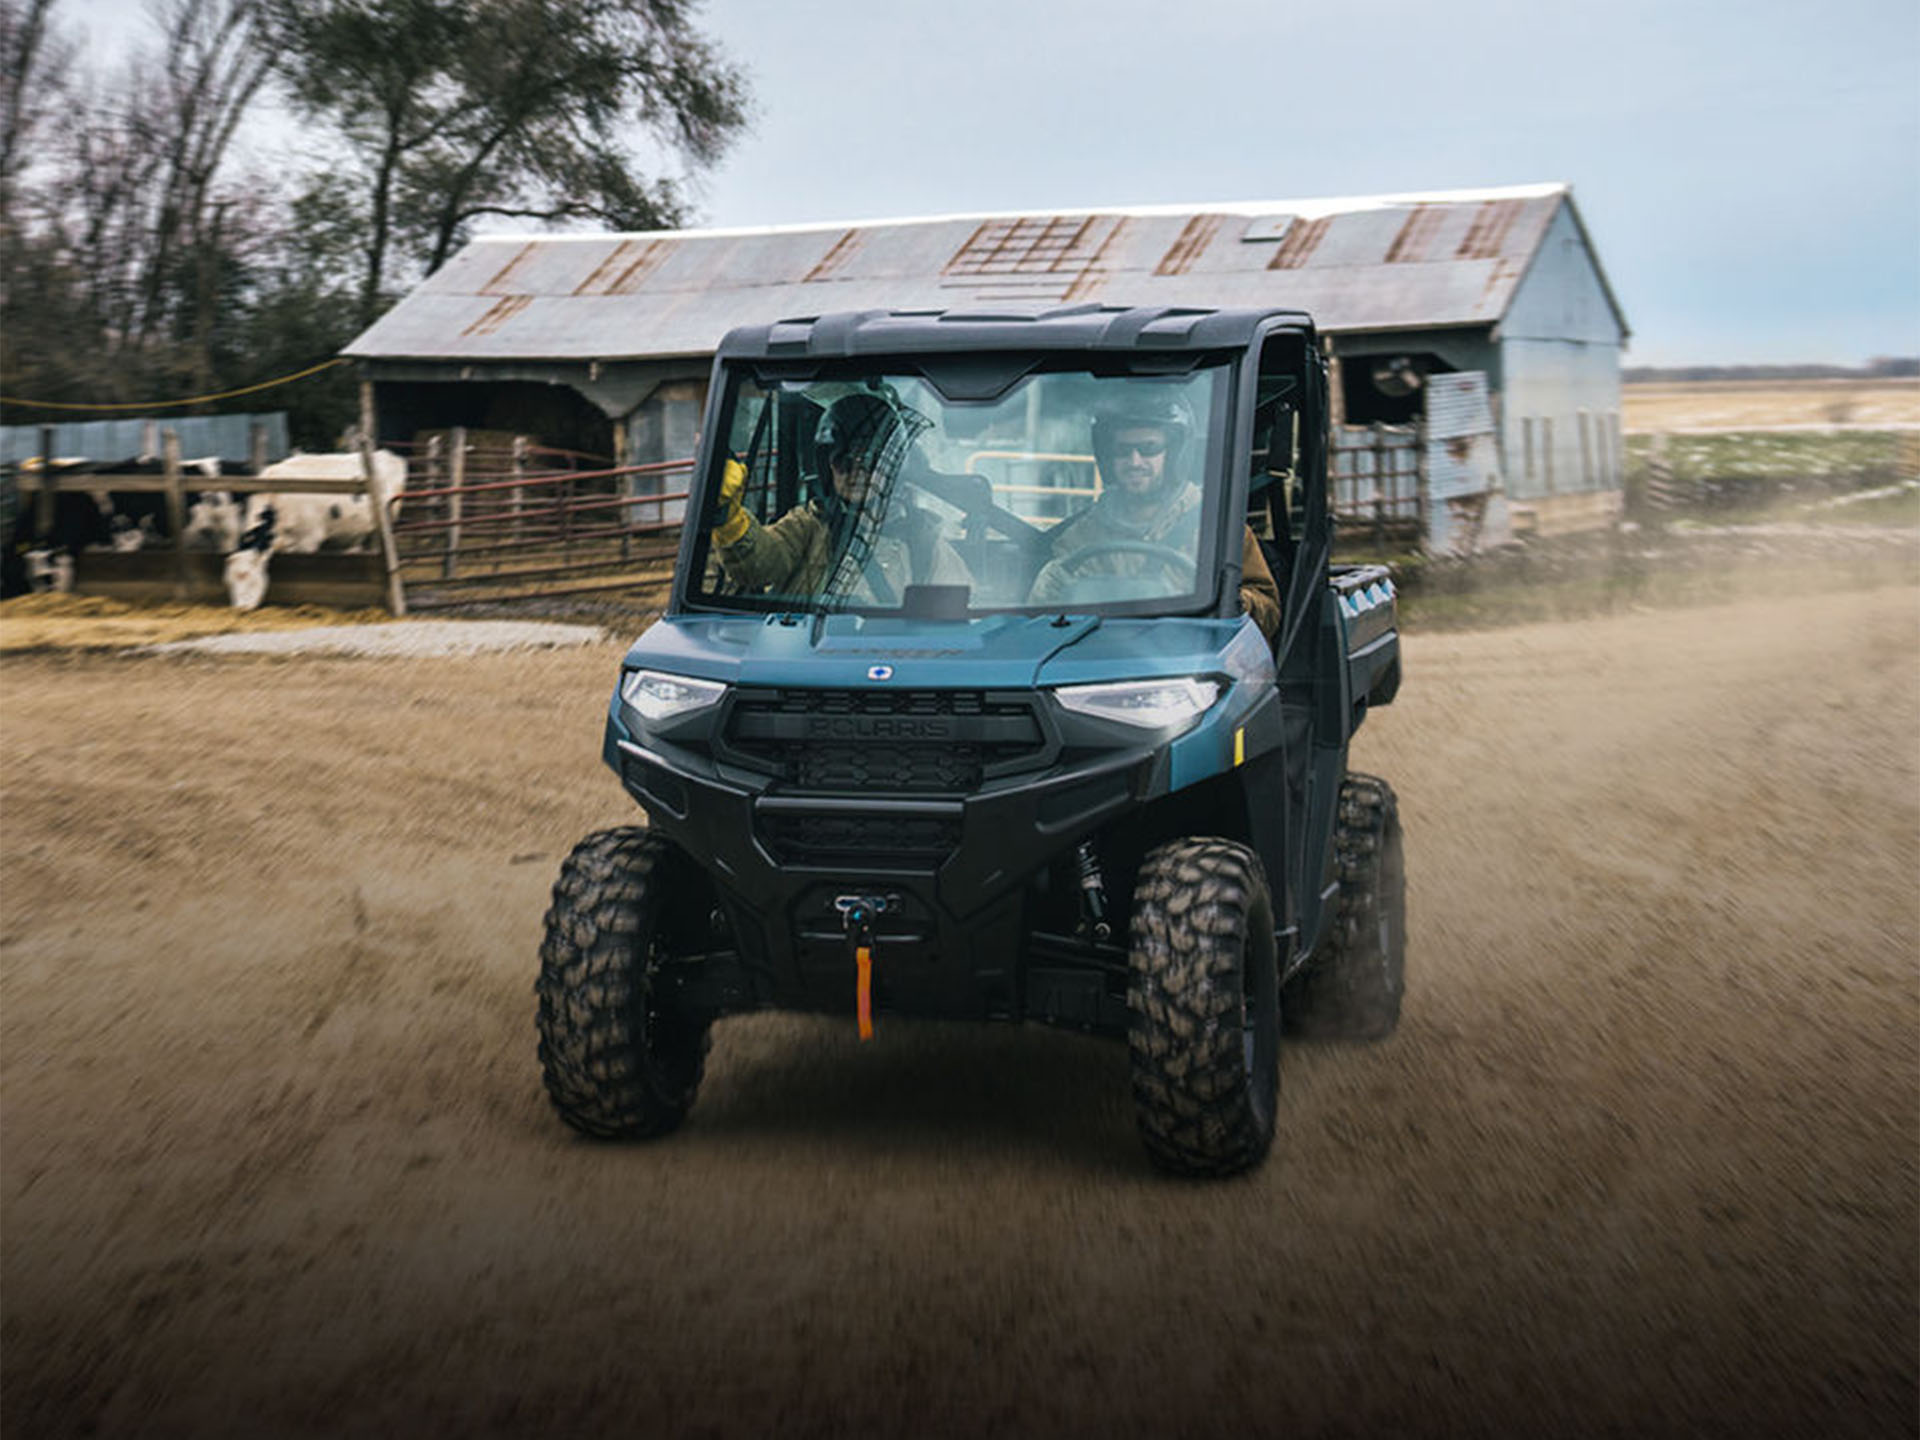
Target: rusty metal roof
[{"x": 1387, "y": 262}]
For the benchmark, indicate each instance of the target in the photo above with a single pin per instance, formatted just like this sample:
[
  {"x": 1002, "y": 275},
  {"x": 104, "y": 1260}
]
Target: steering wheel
[{"x": 1178, "y": 567}]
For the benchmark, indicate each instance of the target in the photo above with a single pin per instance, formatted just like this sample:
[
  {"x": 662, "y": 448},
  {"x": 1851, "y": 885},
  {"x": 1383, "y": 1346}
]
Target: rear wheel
[
  {"x": 1204, "y": 996},
  {"x": 1352, "y": 987},
  {"x": 620, "y": 1060}
]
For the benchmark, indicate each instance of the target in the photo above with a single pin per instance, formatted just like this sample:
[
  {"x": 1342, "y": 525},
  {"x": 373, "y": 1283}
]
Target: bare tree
[
  {"x": 124, "y": 241},
  {"x": 460, "y": 109},
  {"x": 34, "y": 62},
  {"x": 212, "y": 68}
]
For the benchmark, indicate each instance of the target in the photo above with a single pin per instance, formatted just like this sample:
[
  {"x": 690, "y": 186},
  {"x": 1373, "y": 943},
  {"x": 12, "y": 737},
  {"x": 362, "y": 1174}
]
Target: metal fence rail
[
  {"x": 1376, "y": 481},
  {"x": 519, "y": 522},
  {"x": 499, "y": 519}
]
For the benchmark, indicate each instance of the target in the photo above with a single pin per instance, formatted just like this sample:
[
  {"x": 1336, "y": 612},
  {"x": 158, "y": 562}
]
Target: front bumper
[{"x": 952, "y": 940}]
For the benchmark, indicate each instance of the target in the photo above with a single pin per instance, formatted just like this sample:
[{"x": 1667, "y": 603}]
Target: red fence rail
[{"x": 517, "y": 522}]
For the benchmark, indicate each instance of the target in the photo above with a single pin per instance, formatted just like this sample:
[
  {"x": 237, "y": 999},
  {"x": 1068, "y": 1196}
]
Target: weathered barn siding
[{"x": 1560, "y": 348}]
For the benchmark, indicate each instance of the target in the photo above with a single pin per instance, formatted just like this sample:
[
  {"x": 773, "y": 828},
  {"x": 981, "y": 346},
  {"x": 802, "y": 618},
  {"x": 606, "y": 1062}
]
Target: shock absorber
[{"x": 1093, "y": 893}]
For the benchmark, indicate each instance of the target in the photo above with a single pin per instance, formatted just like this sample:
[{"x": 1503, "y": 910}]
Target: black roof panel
[{"x": 1070, "y": 327}]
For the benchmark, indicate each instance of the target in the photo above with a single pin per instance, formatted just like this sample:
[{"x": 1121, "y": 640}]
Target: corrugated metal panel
[
  {"x": 228, "y": 438},
  {"x": 1489, "y": 230},
  {"x": 676, "y": 294},
  {"x": 1457, "y": 405},
  {"x": 625, "y": 268},
  {"x": 1416, "y": 235},
  {"x": 835, "y": 258},
  {"x": 1099, "y": 270},
  {"x": 1462, "y": 465},
  {"x": 502, "y": 281},
  {"x": 1302, "y": 240},
  {"x": 1195, "y": 236},
  {"x": 501, "y": 311},
  {"x": 1360, "y": 239},
  {"x": 1042, "y": 257}
]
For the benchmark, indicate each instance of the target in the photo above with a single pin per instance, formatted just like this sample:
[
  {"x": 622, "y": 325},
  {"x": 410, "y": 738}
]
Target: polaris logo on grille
[
  {"x": 880, "y": 672},
  {"x": 876, "y": 727}
]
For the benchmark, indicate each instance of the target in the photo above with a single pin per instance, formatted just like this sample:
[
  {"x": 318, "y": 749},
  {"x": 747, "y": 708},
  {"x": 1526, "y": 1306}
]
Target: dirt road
[{"x": 1643, "y": 1159}]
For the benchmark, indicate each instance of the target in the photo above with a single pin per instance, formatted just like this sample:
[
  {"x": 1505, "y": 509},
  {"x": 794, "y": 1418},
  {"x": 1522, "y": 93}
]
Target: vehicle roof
[{"x": 1088, "y": 327}]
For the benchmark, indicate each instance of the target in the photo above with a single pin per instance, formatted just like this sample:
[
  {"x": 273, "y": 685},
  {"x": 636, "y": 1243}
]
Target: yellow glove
[{"x": 734, "y": 519}]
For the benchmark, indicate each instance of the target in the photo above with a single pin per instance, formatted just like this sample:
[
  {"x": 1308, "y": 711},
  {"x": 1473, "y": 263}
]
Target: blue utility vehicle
[{"x": 957, "y": 711}]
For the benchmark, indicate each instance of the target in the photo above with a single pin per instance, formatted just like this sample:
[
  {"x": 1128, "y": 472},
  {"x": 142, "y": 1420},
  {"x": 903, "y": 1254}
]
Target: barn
[{"x": 1474, "y": 338}]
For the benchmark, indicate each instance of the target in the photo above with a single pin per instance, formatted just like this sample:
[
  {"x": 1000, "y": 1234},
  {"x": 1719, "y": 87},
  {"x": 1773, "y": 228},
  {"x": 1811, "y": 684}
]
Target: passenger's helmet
[
  {"x": 1164, "y": 409},
  {"x": 855, "y": 427}
]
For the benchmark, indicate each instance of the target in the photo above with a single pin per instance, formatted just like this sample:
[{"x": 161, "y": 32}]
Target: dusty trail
[{"x": 1644, "y": 1157}]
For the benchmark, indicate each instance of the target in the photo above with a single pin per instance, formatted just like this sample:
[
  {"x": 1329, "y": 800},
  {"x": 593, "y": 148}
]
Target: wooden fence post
[
  {"x": 627, "y": 516},
  {"x": 383, "y": 518},
  {"x": 1422, "y": 485},
  {"x": 43, "y": 503},
  {"x": 176, "y": 508},
  {"x": 457, "y": 465},
  {"x": 1382, "y": 477},
  {"x": 521, "y": 443}
]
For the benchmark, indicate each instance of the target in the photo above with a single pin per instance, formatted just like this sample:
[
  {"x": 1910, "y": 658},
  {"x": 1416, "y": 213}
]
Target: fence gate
[{"x": 494, "y": 519}]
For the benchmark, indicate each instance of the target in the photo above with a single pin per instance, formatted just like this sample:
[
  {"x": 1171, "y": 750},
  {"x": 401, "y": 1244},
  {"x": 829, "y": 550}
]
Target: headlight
[
  {"x": 661, "y": 697},
  {"x": 1150, "y": 704}
]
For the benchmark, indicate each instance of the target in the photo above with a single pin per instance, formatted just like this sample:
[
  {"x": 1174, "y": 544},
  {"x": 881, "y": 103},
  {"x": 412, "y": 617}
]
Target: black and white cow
[{"x": 302, "y": 524}]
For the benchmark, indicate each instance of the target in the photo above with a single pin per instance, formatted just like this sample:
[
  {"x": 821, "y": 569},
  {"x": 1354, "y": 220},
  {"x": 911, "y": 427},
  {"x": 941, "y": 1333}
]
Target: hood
[{"x": 836, "y": 651}]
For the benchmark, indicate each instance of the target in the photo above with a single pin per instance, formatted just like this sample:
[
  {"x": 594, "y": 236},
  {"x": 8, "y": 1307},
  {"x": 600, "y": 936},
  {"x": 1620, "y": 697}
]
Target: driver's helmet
[
  {"x": 1161, "y": 409},
  {"x": 856, "y": 427}
]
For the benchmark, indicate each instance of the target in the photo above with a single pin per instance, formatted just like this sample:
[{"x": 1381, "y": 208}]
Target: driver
[
  {"x": 1147, "y": 501},
  {"x": 851, "y": 540}
]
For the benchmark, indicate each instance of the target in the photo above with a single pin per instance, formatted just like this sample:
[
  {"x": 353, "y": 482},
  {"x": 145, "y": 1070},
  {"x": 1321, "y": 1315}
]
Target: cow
[
  {"x": 138, "y": 518},
  {"x": 302, "y": 524},
  {"x": 215, "y": 520},
  {"x": 41, "y": 556}
]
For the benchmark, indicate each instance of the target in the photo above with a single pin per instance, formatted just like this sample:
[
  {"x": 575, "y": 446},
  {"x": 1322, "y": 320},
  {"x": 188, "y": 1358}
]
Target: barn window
[{"x": 1387, "y": 389}]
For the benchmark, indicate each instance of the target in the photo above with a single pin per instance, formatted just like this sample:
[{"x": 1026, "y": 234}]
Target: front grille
[
  {"x": 859, "y": 839},
  {"x": 894, "y": 741},
  {"x": 884, "y": 767}
]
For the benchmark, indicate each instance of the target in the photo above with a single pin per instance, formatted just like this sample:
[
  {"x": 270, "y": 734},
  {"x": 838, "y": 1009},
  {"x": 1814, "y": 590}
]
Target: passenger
[
  {"x": 1148, "y": 500},
  {"x": 863, "y": 540}
]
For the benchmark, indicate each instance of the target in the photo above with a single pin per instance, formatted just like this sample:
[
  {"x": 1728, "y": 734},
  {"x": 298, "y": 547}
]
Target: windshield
[{"x": 1065, "y": 491}]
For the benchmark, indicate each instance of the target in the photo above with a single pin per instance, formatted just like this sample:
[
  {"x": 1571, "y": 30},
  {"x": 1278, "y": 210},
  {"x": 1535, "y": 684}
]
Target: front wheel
[
  {"x": 1204, "y": 995},
  {"x": 620, "y": 1060}
]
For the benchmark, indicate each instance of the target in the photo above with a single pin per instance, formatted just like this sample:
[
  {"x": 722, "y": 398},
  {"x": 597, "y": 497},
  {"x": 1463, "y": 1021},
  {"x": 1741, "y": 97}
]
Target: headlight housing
[
  {"x": 659, "y": 696},
  {"x": 1170, "y": 705}
]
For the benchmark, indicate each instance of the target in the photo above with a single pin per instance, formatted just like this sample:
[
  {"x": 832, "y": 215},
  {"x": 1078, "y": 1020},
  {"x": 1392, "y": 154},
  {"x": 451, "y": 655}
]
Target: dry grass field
[{"x": 1758, "y": 403}]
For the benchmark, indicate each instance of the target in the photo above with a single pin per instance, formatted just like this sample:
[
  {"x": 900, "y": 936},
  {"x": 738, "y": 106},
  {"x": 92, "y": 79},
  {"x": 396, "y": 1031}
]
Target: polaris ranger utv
[{"x": 955, "y": 713}]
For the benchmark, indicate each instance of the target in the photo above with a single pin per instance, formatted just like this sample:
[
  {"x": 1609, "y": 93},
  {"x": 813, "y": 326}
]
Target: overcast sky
[{"x": 1749, "y": 172}]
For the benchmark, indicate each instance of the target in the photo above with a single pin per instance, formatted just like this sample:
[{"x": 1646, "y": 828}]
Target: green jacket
[{"x": 792, "y": 556}]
